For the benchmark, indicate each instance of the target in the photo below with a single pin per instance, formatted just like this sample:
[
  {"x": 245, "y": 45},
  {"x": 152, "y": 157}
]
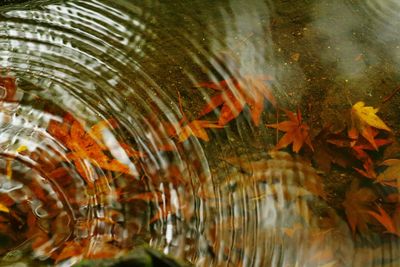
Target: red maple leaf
[
  {"x": 8, "y": 88},
  {"x": 296, "y": 132},
  {"x": 235, "y": 94}
]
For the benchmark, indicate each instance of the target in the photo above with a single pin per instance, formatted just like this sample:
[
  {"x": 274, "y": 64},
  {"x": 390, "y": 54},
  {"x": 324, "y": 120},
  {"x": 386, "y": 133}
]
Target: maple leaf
[
  {"x": 391, "y": 175},
  {"x": 359, "y": 149},
  {"x": 86, "y": 146},
  {"x": 363, "y": 118},
  {"x": 8, "y": 87},
  {"x": 384, "y": 218},
  {"x": 3, "y": 208},
  {"x": 369, "y": 170},
  {"x": 196, "y": 128},
  {"x": 183, "y": 129},
  {"x": 326, "y": 153},
  {"x": 296, "y": 132},
  {"x": 235, "y": 94},
  {"x": 357, "y": 205}
]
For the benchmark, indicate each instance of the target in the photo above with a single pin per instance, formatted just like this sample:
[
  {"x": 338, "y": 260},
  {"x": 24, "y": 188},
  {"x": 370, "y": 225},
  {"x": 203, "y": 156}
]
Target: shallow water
[{"x": 96, "y": 157}]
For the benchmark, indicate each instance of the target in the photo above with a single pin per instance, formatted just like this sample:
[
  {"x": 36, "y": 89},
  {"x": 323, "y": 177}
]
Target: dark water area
[{"x": 222, "y": 133}]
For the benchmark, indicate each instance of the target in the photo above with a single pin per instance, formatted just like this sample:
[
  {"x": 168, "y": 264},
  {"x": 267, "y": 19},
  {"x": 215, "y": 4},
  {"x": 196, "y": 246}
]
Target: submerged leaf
[
  {"x": 235, "y": 94},
  {"x": 363, "y": 118},
  {"x": 4, "y": 208},
  {"x": 297, "y": 132},
  {"x": 385, "y": 220},
  {"x": 357, "y": 205},
  {"x": 390, "y": 176},
  {"x": 196, "y": 128},
  {"x": 87, "y": 147}
]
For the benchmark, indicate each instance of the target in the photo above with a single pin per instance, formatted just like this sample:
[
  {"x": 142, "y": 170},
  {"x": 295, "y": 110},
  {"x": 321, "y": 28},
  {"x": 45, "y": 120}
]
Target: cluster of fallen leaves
[
  {"x": 351, "y": 148},
  {"x": 354, "y": 147}
]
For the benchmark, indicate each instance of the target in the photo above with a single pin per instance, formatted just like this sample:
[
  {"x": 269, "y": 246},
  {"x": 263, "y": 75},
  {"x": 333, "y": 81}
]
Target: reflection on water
[{"x": 124, "y": 124}]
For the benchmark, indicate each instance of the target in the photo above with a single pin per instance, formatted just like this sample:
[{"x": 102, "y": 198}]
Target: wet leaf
[
  {"x": 196, "y": 128},
  {"x": 86, "y": 147},
  {"x": 368, "y": 169},
  {"x": 363, "y": 118},
  {"x": 3, "y": 208},
  {"x": 235, "y": 93},
  {"x": 296, "y": 132},
  {"x": 357, "y": 205},
  {"x": 391, "y": 175},
  {"x": 325, "y": 153},
  {"x": 71, "y": 249},
  {"x": 8, "y": 88},
  {"x": 383, "y": 218}
]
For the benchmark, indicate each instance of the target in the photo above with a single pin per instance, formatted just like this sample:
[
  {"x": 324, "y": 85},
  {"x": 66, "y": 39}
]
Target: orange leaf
[
  {"x": 235, "y": 93},
  {"x": 297, "y": 132},
  {"x": 385, "y": 220},
  {"x": 196, "y": 128},
  {"x": 71, "y": 249},
  {"x": 87, "y": 146}
]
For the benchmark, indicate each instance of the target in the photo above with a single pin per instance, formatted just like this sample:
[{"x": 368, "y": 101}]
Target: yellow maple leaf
[
  {"x": 3, "y": 208},
  {"x": 363, "y": 118}
]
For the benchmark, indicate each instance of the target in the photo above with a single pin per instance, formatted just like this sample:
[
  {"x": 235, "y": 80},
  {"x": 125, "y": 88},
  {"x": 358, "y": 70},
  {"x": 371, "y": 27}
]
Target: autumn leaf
[
  {"x": 363, "y": 118},
  {"x": 391, "y": 175},
  {"x": 383, "y": 218},
  {"x": 325, "y": 153},
  {"x": 86, "y": 146},
  {"x": 8, "y": 88},
  {"x": 235, "y": 93},
  {"x": 296, "y": 132},
  {"x": 357, "y": 205},
  {"x": 359, "y": 149},
  {"x": 184, "y": 129},
  {"x": 3, "y": 208},
  {"x": 368, "y": 169},
  {"x": 196, "y": 128}
]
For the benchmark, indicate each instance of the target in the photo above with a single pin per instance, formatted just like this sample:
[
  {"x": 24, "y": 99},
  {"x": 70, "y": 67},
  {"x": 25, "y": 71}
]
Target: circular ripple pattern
[{"x": 84, "y": 171}]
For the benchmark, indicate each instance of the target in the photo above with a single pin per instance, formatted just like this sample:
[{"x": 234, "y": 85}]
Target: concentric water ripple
[{"x": 94, "y": 157}]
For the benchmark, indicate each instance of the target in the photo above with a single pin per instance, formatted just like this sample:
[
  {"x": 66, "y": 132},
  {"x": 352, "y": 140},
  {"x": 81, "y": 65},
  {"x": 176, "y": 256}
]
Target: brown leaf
[
  {"x": 357, "y": 204},
  {"x": 325, "y": 153}
]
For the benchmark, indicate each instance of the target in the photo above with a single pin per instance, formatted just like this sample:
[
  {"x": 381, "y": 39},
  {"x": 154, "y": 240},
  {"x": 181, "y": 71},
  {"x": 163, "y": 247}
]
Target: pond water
[{"x": 223, "y": 133}]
